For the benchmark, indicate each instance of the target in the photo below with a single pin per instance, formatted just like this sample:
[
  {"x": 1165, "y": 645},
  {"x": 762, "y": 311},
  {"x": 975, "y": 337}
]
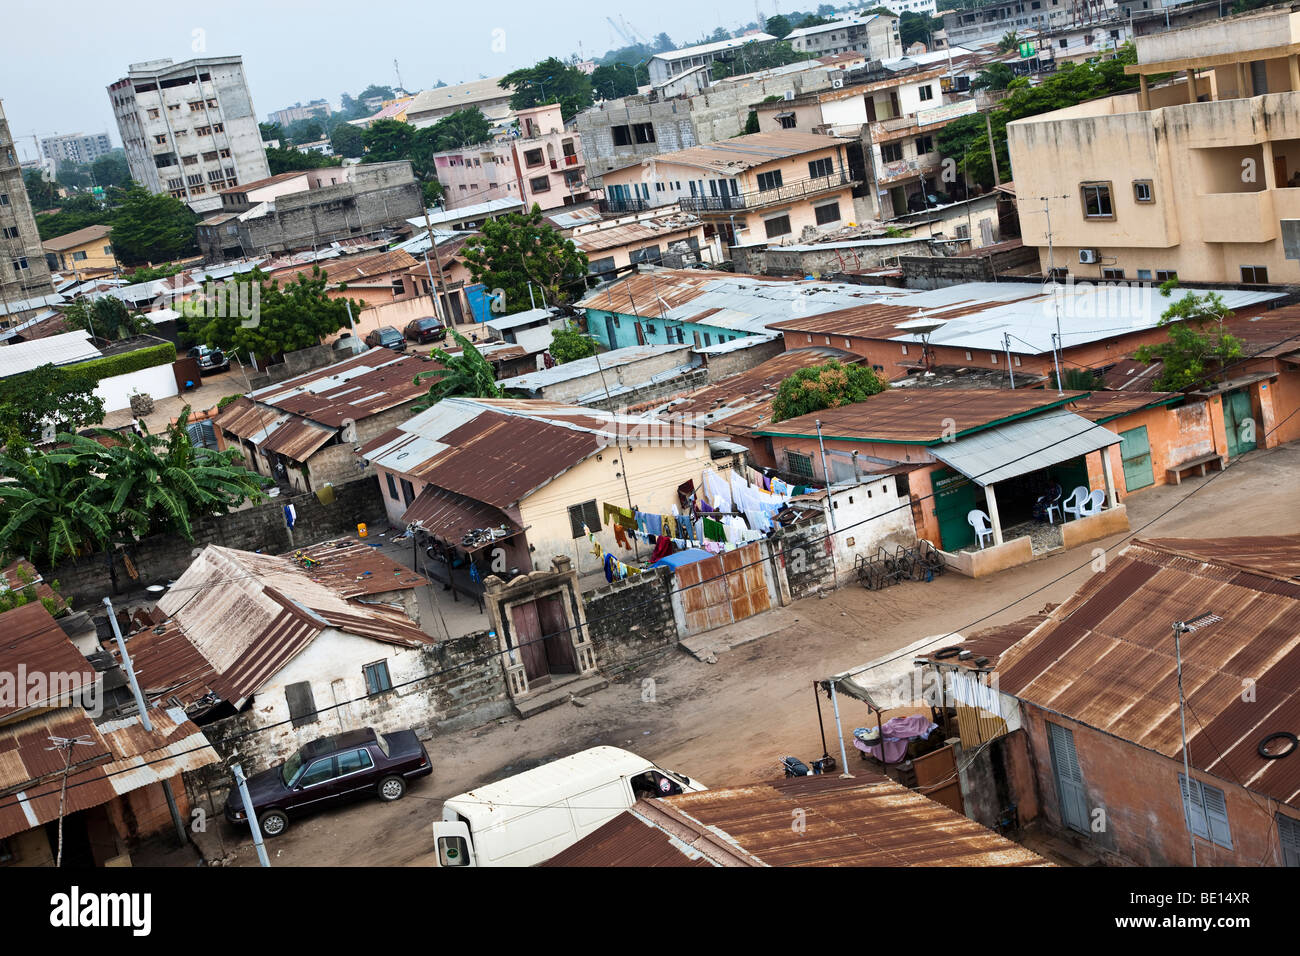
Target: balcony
[
  {"x": 571, "y": 160},
  {"x": 906, "y": 169},
  {"x": 766, "y": 197},
  {"x": 1238, "y": 217},
  {"x": 625, "y": 205}
]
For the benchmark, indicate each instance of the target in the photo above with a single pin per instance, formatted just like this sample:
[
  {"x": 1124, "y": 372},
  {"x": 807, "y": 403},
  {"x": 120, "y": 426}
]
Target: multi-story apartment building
[
  {"x": 316, "y": 109},
  {"x": 1197, "y": 175},
  {"x": 542, "y": 164},
  {"x": 873, "y": 34},
  {"x": 74, "y": 149},
  {"x": 487, "y": 96},
  {"x": 664, "y": 66},
  {"x": 764, "y": 187},
  {"x": 24, "y": 276},
  {"x": 995, "y": 20},
  {"x": 189, "y": 128},
  {"x": 922, "y": 7},
  {"x": 896, "y": 120}
]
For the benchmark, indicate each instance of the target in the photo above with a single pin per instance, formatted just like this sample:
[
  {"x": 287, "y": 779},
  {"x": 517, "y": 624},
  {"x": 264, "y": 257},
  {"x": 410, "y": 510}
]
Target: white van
[{"x": 528, "y": 818}]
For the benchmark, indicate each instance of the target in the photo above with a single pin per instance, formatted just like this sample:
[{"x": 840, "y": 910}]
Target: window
[
  {"x": 533, "y": 157},
  {"x": 540, "y": 184},
  {"x": 318, "y": 772},
  {"x": 377, "y": 679},
  {"x": 7, "y": 851},
  {"x": 354, "y": 761},
  {"x": 408, "y": 491},
  {"x": 622, "y": 135},
  {"x": 770, "y": 180},
  {"x": 160, "y": 139},
  {"x": 798, "y": 465},
  {"x": 1166, "y": 275},
  {"x": 924, "y": 144},
  {"x": 777, "y": 226},
  {"x": 11, "y": 232},
  {"x": 828, "y": 213},
  {"x": 20, "y": 264},
  {"x": 821, "y": 167},
  {"x": 1144, "y": 275},
  {"x": 1206, "y": 812},
  {"x": 926, "y": 93},
  {"x": 643, "y": 133},
  {"x": 787, "y": 120},
  {"x": 1096, "y": 201},
  {"x": 1063, "y": 43},
  {"x": 584, "y": 514},
  {"x": 4, "y": 199},
  {"x": 1288, "y": 835},
  {"x": 302, "y": 706},
  {"x": 392, "y": 487},
  {"x": 78, "y": 256},
  {"x": 190, "y": 160},
  {"x": 891, "y": 152},
  {"x": 1142, "y": 191},
  {"x": 1112, "y": 274},
  {"x": 1254, "y": 275}
]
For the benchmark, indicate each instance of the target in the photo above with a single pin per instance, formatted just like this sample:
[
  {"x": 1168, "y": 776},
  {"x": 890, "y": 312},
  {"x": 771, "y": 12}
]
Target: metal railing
[
  {"x": 625, "y": 205},
  {"x": 765, "y": 197}
]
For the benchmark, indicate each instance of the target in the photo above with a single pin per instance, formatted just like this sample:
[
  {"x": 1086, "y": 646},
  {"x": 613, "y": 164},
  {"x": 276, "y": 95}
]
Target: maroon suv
[{"x": 331, "y": 771}]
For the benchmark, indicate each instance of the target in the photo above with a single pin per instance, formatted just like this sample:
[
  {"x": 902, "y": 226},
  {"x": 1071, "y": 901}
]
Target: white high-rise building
[
  {"x": 189, "y": 129},
  {"x": 74, "y": 149}
]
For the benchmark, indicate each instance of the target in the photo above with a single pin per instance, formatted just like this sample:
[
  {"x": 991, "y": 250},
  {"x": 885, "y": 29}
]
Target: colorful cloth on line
[
  {"x": 613, "y": 514},
  {"x": 714, "y": 530}
]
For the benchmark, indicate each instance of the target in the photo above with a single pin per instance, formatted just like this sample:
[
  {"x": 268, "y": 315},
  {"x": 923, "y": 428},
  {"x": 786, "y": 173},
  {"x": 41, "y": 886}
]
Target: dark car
[
  {"x": 386, "y": 337},
  {"x": 331, "y": 771},
  {"x": 209, "y": 359},
  {"x": 424, "y": 330}
]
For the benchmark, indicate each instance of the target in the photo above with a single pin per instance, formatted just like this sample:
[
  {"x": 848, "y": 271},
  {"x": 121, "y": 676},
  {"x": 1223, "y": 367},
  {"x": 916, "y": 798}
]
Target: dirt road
[{"x": 731, "y": 722}]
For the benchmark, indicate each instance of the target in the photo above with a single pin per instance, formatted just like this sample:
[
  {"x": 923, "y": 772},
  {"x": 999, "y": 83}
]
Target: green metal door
[
  {"x": 954, "y": 497},
  {"x": 1135, "y": 453},
  {"x": 1238, "y": 422}
]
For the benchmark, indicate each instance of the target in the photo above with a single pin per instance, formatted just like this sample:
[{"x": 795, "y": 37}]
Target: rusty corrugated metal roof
[
  {"x": 1103, "y": 406},
  {"x": 32, "y": 642},
  {"x": 450, "y": 516},
  {"x": 866, "y": 820},
  {"x": 353, "y": 568},
  {"x": 12, "y": 579},
  {"x": 991, "y": 642},
  {"x": 1105, "y": 658},
  {"x": 361, "y": 386}
]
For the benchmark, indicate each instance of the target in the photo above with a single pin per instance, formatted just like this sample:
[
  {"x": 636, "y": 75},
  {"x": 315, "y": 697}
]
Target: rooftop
[
  {"x": 458, "y": 96},
  {"x": 71, "y": 240},
  {"x": 354, "y": 569},
  {"x": 731, "y": 156},
  {"x": 62, "y": 349},
  {"x": 719, "y": 46},
  {"x": 34, "y": 642},
  {"x": 1105, "y": 658},
  {"x": 580, "y": 368}
]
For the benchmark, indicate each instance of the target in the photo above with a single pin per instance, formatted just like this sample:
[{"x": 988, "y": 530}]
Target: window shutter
[
  {"x": 1216, "y": 809},
  {"x": 1194, "y": 808},
  {"x": 302, "y": 706},
  {"x": 1288, "y": 833}
]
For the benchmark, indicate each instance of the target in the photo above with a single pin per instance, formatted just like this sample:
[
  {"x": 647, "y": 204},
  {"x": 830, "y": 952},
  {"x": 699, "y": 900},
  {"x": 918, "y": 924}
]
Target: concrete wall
[
  {"x": 869, "y": 516},
  {"x": 608, "y": 374},
  {"x": 631, "y": 621},
  {"x": 804, "y": 556},
  {"x": 778, "y": 261},
  {"x": 158, "y": 382},
  {"x": 85, "y": 582},
  {"x": 933, "y": 272},
  {"x": 722, "y": 365}
]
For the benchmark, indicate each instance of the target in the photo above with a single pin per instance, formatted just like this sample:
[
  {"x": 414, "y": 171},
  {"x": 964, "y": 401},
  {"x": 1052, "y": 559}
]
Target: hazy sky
[{"x": 57, "y": 58}]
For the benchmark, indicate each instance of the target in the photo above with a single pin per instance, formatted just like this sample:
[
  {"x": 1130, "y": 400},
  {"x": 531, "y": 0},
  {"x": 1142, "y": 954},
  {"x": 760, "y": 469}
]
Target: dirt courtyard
[{"x": 731, "y": 722}]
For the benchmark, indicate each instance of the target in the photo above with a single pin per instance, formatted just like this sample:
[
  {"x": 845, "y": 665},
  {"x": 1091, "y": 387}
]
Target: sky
[{"x": 56, "y": 60}]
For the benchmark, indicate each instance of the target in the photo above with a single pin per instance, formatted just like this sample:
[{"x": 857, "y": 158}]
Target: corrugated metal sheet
[
  {"x": 32, "y": 642},
  {"x": 920, "y": 416},
  {"x": 297, "y": 438},
  {"x": 1104, "y": 406},
  {"x": 357, "y": 388},
  {"x": 353, "y": 568},
  {"x": 1021, "y": 447},
  {"x": 863, "y": 821},
  {"x": 449, "y": 516},
  {"x": 613, "y": 363},
  {"x": 1105, "y": 658}
]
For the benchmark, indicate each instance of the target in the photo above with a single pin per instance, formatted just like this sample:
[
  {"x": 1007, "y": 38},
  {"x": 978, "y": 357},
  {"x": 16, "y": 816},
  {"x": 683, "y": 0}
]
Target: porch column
[
  {"x": 1144, "y": 97},
  {"x": 1293, "y": 61},
  {"x": 992, "y": 500},
  {"x": 1191, "y": 86},
  {"x": 1243, "y": 82},
  {"x": 1109, "y": 475}
]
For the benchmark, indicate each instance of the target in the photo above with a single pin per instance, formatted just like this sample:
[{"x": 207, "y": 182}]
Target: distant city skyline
[{"x": 297, "y": 52}]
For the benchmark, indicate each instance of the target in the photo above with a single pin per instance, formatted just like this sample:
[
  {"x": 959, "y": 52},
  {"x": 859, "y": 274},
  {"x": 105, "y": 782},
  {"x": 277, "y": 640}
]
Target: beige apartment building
[
  {"x": 1197, "y": 175},
  {"x": 765, "y": 187}
]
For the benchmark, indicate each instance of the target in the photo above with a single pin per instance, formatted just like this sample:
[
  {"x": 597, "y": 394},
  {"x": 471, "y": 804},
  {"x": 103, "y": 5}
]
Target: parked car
[
  {"x": 386, "y": 337},
  {"x": 427, "y": 329},
  {"x": 349, "y": 344},
  {"x": 331, "y": 771},
  {"x": 209, "y": 359}
]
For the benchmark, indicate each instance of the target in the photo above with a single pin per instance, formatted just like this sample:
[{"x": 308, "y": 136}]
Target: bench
[{"x": 1175, "y": 474}]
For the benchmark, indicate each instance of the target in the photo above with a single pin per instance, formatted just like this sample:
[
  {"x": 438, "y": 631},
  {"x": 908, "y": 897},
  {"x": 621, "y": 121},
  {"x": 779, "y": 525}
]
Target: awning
[
  {"x": 1021, "y": 447},
  {"x": 785, "y": 115},
  {"x": 451, "y": 517},
  {"x": 887, "y": 682},
  {"x": 297, "y": 438}
]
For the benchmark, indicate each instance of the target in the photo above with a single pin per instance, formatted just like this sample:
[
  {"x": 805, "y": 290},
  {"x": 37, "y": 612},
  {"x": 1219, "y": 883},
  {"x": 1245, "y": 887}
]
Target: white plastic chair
[
  {"x": 1092, "y": 506},
  {"x": 980, "y": 522},
  {"x": 1052, "y": 505},
  {"x": 1073, "y": 505}
]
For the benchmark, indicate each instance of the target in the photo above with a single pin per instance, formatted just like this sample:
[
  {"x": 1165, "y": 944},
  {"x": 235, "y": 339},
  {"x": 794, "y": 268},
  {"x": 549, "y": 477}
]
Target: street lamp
[{"x": 1180, "y": 628}]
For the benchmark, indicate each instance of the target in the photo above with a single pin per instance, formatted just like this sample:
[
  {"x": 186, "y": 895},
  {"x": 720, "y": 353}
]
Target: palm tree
[
  {"x": 49, "y": 506},
  {"x": 466, "y": 374}
]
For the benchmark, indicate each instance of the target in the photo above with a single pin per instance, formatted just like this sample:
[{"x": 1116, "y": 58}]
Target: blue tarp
[{"x": 675, "y": 561}]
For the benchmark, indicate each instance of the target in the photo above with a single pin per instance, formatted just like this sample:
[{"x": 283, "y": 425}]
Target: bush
[{"x": 110, "y": 365}]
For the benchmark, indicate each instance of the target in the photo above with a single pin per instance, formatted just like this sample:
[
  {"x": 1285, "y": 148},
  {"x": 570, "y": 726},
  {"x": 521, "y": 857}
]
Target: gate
[
  {"x": 1135, "y": 453},
  {"x": 937, "y": 778},
  {"x": 727, "y": 587},
  {"x": 954, "y": 498},
  {"x": 1238, "y": 422}
]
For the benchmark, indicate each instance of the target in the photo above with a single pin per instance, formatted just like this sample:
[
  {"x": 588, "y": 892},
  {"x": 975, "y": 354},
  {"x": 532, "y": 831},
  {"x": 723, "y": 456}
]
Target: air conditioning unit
[
  {"x": 837, "y": 83},
  {"x": 1089, "y": 256}
]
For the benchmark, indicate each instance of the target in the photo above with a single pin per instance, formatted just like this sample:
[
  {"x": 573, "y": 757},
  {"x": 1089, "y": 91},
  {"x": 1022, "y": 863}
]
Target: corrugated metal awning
[{"x": 1017, "y": 448}]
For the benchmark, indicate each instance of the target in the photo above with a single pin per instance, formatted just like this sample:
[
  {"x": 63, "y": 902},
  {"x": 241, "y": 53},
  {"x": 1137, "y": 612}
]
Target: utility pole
[
  {"x": 437, "y": 306},
  {"x": 242, "y": 783},
  {"x": 1006, "y": 341},
  {"x": 988, "y": 128},
  {"x": 64, "y": 745},
  {"x": 1180, "y": 628}
]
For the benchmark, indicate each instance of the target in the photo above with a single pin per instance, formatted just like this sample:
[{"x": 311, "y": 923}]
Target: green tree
[
  {"x": 111, "y": 169},
  {"x": 751, "y": 123},
  {"x": 1010, "y": 41},
  {"x": 521, "y": 251},
  {"x": 1197, "y": 342},
  {"x": 569, "y": 344},
  {"x": 613, "y": 80},
  {"x": 389, "y": 140},
  {"x": 466, "y": 374},
  {"x": 295, "y": 316},
  {"x": 347, "y": 140},
  {"x": 812, "y": 21},
  {"x": 997, "y": 76},
  {"x": 41, "y": 194},
  {"x": 372, "y": 91},
  {"x": 26, "y": 593},
  {"x": 289, "y": 160},
  {"x": 550, "y": 81},
  {"x": 149, "y": 228},
  {"x": 271, "y": 131},
  {"x": 459, "y": 129},
  {"x": 51, "y": 505},
  {"x": 778, "y": 26},
  {"x": 47, "y": 397},
  {"x": 106, "y": 318},
  {"x": 304, "y": 131},
  {"x": 751, "y": 57},
  {"x": 828, "y": 385}
]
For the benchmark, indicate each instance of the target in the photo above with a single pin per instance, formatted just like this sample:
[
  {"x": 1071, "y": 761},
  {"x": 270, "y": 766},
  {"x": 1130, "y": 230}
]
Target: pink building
[{"x": 540, "y": 162}]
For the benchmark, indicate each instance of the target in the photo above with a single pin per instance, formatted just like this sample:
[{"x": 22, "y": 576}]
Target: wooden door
[
  {"x": 557, "y": 639},
  {"x": 528, "y": 640}
]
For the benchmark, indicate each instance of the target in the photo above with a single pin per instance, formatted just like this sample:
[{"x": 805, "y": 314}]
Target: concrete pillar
[
  {"x": 1144, "y": 94},
  {"x": 1270, "y": 174},
  {"x": 1243, "y": 81},
  {"x": 1109, "y": 474},
  {"x": 1192, "y": 93},
  {"x": 1293, "y": 61},
  {"x": 992, "y": 501}
]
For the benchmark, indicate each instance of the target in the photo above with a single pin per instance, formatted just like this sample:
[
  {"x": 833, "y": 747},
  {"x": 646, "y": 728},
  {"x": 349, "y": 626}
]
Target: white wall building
[
  {"x": 74, "y": 149},
  {"x": 189, "y": 129},
  {"x": 873, "y": 35},
  {"x": 664, "y": 66}
]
